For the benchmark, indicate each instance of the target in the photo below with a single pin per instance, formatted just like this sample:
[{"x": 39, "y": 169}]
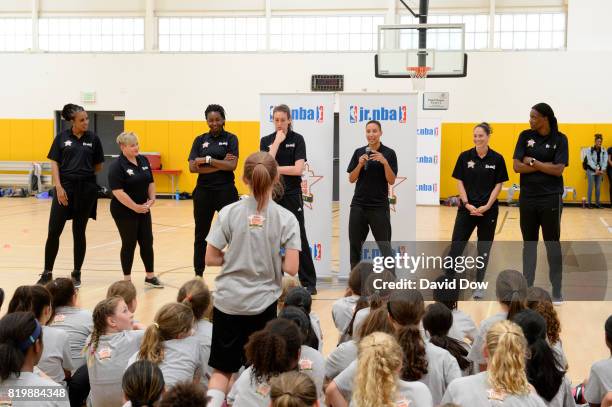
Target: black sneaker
[
  {"x": 598, "y": 206},
  {"x": 312, "y": 290},
  {"x": 45, "y": 277},
  {"x": 153, "y": 282},
  {"x": 558, "y": 301},
  {"x": 76, "y": 278}
]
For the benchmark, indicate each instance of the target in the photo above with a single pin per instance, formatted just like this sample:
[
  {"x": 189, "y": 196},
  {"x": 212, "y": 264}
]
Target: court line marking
[
  {"x": 114, "y": 242},
  {"x": 503, "y": 222},
  {"x": 606, "y": 224}
]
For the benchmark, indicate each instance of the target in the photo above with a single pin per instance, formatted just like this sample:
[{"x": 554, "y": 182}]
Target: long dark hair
[
  {"x": 511, "y": 290},
  {"x": 545, "y": 110},
  {"x": 16, "y": 329},
  {"x": 32, "y": 298},
  {"x": 299, "y": 317},
  {"x": 438, "y": 320},
  {"x": 543, "y": 369}
]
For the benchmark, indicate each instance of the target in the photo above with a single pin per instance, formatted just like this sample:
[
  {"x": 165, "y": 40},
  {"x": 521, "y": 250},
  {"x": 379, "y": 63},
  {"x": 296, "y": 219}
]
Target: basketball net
[{"x": 418, "y": 74}]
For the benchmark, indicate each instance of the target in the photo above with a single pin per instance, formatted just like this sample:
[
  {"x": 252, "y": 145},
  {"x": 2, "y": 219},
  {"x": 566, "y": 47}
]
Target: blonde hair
[
  {"x": 288, "y": 284},
  {"x": 261, "y": 174},
  {"x": 170, "y": 321},
  {"x": 127, "y": 138},
  {"x": 507, "y": 349},
  {"x": 292, "y": 389},
  {"x": 380, "y": 358},
  {"x": 104, "y": 309},
  {"x": 124, "y": 289}
]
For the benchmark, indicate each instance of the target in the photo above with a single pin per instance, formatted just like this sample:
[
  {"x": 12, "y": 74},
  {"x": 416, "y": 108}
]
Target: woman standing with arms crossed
[
  {"x": 480, "y": 173},
  {"x": 540, "y": 156},
  {"x": 255, "y": 230},
  {"x": 214, "y": 156},
  {"x": 76, "y": 156},
  {"x": 289, "y": 150},
  {"x": 131, "y": 180}
]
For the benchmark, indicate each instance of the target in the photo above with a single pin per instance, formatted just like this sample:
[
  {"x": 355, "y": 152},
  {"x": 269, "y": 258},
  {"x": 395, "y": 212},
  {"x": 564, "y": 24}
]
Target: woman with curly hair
[
  {"x": 539, "y": 300},
  {"x": 505, "y": 381}
]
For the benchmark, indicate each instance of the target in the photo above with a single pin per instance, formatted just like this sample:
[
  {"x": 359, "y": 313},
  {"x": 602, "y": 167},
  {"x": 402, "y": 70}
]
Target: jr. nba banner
[
  {"x": 429, "y": 134},
  {"x": 313, "y": 118},
  {"x": 397, "y": 114}
]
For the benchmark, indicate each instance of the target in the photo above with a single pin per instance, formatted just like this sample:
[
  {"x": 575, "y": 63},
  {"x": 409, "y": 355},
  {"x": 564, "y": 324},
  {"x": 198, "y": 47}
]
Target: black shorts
[{"x": 231, "y": 333}]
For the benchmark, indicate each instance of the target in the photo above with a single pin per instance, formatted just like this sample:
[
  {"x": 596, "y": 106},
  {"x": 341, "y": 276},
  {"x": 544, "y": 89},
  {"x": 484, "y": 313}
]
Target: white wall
[
  {"x": 500, "y": 86},
  {"x": 589, "y": 25}
]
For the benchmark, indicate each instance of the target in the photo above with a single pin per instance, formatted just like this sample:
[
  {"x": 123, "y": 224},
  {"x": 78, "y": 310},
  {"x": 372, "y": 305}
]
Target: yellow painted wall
[
  {"x": 30, "y": 139},
  {"x": 457, "y": 137}
]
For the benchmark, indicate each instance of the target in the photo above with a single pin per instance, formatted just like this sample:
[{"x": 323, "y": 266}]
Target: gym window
[
  {"x": 104, "y": 34},
  {"x": 15, "y": 34},
  {"x": 530, "y": 31}
]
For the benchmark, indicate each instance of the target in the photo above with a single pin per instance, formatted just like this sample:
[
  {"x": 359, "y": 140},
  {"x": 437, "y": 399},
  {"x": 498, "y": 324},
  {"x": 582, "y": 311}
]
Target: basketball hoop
[{"x": 418, "y": 74}]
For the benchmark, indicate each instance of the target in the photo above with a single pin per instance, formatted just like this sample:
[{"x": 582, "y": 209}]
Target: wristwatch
[
  {"x": 207, "y": 159},
  {"x": 532, "y": 161}
]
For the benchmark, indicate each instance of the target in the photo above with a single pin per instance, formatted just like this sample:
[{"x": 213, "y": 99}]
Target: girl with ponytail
[
  {"x": 538, "y": 299},
  {"x": 511, "y": 292},
  {"x": 293, "y": 389},
  {"x": 544, "y": 371},
  {"x": 196, "y": 295},
  {"x": 505, "y": 382},
  {"x": 169, "y": 343},
  {"x": 21, "y": 347},
  {"x": 270, "y": 352},
  {"x": 143, "y": 384},
  {"x": 263, "y": 241},
  {"x": 540, "y": 156},
  {"x": 56, "y": 361},
  {"x": 108, "y": 350}
]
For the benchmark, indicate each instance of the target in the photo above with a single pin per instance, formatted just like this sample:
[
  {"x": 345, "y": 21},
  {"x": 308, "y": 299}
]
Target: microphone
[{"x": 368, "y": 150}]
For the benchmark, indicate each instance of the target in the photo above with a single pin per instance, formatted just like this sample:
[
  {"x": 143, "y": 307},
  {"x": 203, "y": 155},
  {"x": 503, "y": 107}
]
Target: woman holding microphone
[
  {"x": 373, "y": 168},
  {"x": 131, "y": 180},
  {"x": 480, "y": 173}
]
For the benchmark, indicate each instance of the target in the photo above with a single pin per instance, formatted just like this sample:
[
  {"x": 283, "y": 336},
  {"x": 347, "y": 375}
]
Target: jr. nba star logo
[
  {"x": 205, "y": 145},
  {"x": 130, "y": 171},
  {"x": 392, "y": 195},
  {"x": 308, "y": 180},
  {"x": 67, "y": 143},
  {"x": 530, "y": 143},
  {"x": 471, "y": 164}
]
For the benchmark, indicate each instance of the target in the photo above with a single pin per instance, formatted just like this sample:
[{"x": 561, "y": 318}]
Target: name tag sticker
[
  {"x": 59, "y": 318},
  {"x": 403, "y": 403},
  {"x": 256, "y": 221},
  {"x": 263, "y": 389},
  {"x": 496, "y": 395},
  {"x": 305, "y": 364},
  {"x": 104, "y": 353}
]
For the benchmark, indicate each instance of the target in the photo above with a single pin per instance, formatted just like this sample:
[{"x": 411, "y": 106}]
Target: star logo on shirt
[
  {"x": 471, "y": 164},
  {"x": 308, "y": 180},
  {"x": 68, "y": 143},
  {"x": 205, "y": 145},
  {"x": 392, "y": 195},
  {"x": 555, "y": 147},
  {"x": 530, "y": 143},
  {"x": 130, "y": 171},
  {"x": 547, "y": 145}
]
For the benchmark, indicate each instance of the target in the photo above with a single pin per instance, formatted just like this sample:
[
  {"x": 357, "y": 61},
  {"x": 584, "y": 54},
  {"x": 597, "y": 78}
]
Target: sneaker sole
[{"x": 153, "y": 285}]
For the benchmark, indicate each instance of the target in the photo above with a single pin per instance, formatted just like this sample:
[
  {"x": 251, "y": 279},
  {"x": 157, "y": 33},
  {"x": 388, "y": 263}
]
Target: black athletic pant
[
  {"x": 205, "y": 203},
  {"x": 57, "y": 220},
  {"x": 134, "y": 228},
  {"x": 306, "y": 273},
  {"x": 361, "y": 220},
  {"x": 464, "y": 227},
  {"x": 78, "y": 387},
  {"x": 543, "y": 211}
]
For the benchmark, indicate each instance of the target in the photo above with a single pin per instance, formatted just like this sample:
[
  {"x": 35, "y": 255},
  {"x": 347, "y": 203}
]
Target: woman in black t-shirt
[
  {"x": 131, "y": 180},
  {"x": 213, "y": 156},
  {"x": 480, "y": 173},
  {"x": 76, "y": 156},
  {"x": 540, "y": 156}
]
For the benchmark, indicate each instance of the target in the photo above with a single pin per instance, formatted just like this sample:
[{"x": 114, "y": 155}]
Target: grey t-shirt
[
  {"x": 411, "y": 394},
  {"x": 340, "y": 358},
  {"x": 600, "y": 381},
  {"x": 312, "y": 364},
  {"x": 315, "y": 322},
  {"x": 476, "y": 353},
  {"x": 203, "y": 331},
  {"x": 475, "y": 391},
  {"x": 251, "y": 277},
  {"x": 564, "y": 397},
  {"x": 559, "y": 353},
  {"x": 78, "y": 323},
  {"x": 342, "y": 311},
  {"x": 109, "y": 363},
  {"x": 360, "y": 318},
  {"x": 442, "y": 369},
  {"x": 463, "y": 326},
  {"x": 56, "y": 355},
  {"x": 182, "y": 360},
  {"x": 29, "y": 379},
  {"x": 248, "y": 392}
]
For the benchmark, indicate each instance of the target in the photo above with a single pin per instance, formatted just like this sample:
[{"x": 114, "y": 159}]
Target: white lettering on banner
[
  {"x": 428, "y": 161},
  {"x": 358, "y": 114}
]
